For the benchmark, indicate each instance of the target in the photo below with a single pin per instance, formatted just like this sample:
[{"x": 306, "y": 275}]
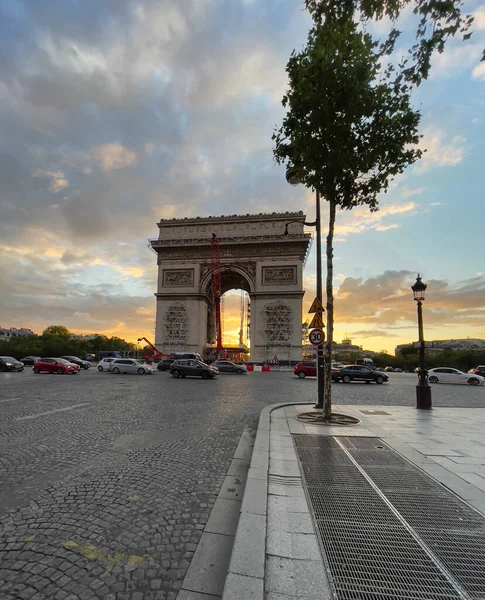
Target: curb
[{"x": 245, "y": 576}]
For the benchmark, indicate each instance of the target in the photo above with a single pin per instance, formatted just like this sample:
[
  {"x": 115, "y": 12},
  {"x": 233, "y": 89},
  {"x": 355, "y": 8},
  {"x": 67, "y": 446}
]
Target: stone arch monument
[{"x": 256, "y": 256}]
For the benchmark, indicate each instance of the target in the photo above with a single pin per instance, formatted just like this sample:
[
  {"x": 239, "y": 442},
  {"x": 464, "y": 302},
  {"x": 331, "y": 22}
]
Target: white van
[{"x": 366, "y": 362}]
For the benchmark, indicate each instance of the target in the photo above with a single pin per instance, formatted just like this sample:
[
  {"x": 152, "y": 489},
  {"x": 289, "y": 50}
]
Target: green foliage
[
  {"x": 349, "y": 128},
  {"x": 438, "y": 20},
  {"x": 51, "y": 343},
  {"x": 56, "y": 330}
]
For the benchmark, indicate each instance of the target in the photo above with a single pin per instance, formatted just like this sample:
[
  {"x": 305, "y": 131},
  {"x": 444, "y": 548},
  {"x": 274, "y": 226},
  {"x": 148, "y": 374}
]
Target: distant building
[
  {"x": 342, "y": 350},
  {"x": 82, "y": 337},
  {"x": 438, "y": 346},
  {"x": 6, "y": 334}
]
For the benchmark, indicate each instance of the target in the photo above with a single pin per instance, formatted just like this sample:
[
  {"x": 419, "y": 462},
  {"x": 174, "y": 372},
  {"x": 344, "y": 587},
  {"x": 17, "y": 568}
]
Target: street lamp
[
  {"x": 293, "y": 178},
  {"x": 423, "y": 389}
]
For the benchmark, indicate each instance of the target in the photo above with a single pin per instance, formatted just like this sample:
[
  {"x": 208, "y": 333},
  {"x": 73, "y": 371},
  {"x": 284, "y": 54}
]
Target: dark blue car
[{"x": 359, "y": 373}]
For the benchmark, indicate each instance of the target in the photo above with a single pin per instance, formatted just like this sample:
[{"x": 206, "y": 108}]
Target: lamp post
[
  {"x": 293, "y": 178},
  {"x": 423, "y": 389}
]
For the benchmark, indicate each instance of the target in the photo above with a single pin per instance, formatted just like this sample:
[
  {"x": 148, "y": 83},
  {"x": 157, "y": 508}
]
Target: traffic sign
[
  {"x": 316, "y": 337},
  {"x": 316, "y": 306},
  {"x": 316, "y": 321}
]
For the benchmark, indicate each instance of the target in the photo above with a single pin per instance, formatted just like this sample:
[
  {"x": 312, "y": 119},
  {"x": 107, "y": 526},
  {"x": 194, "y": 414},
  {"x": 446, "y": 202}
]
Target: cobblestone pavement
[{"x": 107, "y": 482}]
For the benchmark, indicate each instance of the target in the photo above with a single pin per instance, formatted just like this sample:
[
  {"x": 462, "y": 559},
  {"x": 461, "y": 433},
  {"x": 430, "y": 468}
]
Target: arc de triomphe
[{"x": 255, "y": 256}]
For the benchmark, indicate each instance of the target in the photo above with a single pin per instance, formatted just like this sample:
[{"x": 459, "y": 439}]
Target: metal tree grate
[{"x": 434, "y": 548}]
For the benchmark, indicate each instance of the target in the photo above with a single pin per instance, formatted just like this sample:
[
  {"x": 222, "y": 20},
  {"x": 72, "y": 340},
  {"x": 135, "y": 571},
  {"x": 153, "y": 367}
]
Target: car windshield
[
  {"x": 139, "y": 362},
  {"x": 8, "y": 359},
  {"x": 202, "y": 364},
  {"x": 62, "y": 360},
  {"x": 73, "y": 358}
]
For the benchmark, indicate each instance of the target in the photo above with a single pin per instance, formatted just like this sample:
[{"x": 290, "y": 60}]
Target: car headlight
[{"x": 9, "y": 364}]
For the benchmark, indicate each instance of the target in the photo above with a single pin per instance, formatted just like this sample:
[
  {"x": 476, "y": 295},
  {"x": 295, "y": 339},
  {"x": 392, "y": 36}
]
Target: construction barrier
[
  {"x": 250, "y": 367},
  {"x": 265, "y": 368}
]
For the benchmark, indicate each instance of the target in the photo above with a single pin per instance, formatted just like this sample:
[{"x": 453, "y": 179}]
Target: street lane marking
[
  {"x": 50, "y": 412},
  {"x": 9, "y": 400}
]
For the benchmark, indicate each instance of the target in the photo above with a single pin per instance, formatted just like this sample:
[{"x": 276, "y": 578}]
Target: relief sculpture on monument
[{"x": 178, "y": 278}]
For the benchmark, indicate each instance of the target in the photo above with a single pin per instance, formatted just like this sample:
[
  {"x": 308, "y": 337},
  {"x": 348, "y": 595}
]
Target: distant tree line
[
  {"x": 56, "y": 341},
  {"x": 408, "y": 359}
]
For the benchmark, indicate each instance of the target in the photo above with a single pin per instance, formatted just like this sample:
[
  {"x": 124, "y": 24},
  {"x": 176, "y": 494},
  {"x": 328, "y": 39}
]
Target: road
[{"x": 107, "y": 481}]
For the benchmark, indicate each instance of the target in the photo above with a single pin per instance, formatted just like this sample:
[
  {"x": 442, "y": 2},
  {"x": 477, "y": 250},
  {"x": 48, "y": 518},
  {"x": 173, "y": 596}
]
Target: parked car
[
  {"x": 226, "y": 366},
  {"x": 29, "y": 360},
  {"x": 7, "y": 363},
  {"x": 55, "y": 365},
  {"x": 130, "y": 365},
  {"x": 77, "y": 368},
  {"x": 164, "y": 364},
  {"x": 398, "y": 370},
  {"x": 389, "y": 369},
  {"x": 84, "y": 364},
  {"x": 359, "y": 373},
  {"x": 104, "y": 363},
  {"x": 192, "y": 368},
  {"x": 449, "y": 375},
  {"x": 480, "y": 370},
  {"x": 379, "y": 369},
  {"x": 305, "y": 369}
]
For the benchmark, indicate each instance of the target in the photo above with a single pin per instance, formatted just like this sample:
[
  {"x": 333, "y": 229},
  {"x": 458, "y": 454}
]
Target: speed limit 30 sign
[{"x": 316, "y": 337}]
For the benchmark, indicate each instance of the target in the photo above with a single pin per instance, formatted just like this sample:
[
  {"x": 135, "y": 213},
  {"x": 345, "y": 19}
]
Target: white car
[
  {"x": 130, "y": 365},
  {"x": 104, "y": 364},
  {"x": 449, "y": 375}
]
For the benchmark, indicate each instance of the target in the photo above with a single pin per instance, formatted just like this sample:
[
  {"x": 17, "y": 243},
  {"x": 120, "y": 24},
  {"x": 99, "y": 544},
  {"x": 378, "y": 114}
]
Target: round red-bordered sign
[{"x": 316, "y": 337}]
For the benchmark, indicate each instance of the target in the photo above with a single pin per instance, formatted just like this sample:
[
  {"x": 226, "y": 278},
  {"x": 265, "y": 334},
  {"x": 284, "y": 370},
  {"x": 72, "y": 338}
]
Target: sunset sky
[{"x": 114, "y": 114}]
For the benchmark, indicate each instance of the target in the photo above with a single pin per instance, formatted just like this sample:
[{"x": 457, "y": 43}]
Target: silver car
[{"x": 129, "y": 365}]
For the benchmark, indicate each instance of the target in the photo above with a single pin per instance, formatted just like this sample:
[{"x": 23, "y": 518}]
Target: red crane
[
  {"x": 216, "y": 289},
  {"x": 156, "y": 351}
]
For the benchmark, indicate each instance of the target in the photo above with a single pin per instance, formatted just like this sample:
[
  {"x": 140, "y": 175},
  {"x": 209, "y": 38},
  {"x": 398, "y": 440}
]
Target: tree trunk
[{"x": 327, "y": 405}]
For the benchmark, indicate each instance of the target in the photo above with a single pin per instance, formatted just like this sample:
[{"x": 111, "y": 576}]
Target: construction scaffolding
[{"x": 175, "y": 328}]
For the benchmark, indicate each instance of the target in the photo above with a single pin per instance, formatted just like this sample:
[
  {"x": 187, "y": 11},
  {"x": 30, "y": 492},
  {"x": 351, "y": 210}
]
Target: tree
[
  {"x": 58, "y": 330},
  {"x": 348, "y": 131},
  {"x": 437, "y": 21}
]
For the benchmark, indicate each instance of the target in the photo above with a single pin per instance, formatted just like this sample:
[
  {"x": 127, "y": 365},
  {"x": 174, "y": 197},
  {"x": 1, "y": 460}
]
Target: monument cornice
[{"x": 231, "y": 218}]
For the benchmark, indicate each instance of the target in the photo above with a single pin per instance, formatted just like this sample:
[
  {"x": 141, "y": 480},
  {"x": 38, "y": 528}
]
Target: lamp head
[
  {"x": 293, "y": 176},
  {"x": 419, "y": 289}
]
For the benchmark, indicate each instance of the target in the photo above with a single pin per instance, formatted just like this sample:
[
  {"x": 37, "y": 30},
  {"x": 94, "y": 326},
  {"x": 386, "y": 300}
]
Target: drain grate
[
  {"x": 383, "y": 561},
  {"x": 371, "y": 552}
]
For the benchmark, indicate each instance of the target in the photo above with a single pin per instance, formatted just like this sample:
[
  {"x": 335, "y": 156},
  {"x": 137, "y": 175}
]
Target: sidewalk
[{"x": 367, "y": 516}]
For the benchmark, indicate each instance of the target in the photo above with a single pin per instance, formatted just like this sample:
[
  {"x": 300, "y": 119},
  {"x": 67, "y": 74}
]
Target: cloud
[
  {"x": 386, "y": 299},
  {"x": 360, "y": 219},
  {"x": 479, "y": 18},
  {"x": 408, "y": 192},
  {"x": 373, "y": 333},
  {"x": 479, "y": 72},
  {"x": 113, "y": 156},
  {"x": 438, "y": 152},
  {"x": 455, "y": 57},
  {"x": 58, "y": 181}
]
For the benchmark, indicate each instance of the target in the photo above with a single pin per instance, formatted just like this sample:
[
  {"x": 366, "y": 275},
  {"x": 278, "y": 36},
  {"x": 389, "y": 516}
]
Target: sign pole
[{"x": 320, "y": 357}]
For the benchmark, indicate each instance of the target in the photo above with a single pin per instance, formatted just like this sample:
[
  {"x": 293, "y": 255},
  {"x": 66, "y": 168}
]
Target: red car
[
  {"x": 304, "y": 369},
  {"x": 55, "y": 365}
]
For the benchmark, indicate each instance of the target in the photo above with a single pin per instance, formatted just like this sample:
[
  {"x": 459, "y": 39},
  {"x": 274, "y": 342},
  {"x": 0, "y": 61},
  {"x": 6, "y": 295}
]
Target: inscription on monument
[
  {"x": 279, "y": 275},
  {"x": 178, "y": 278}
]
